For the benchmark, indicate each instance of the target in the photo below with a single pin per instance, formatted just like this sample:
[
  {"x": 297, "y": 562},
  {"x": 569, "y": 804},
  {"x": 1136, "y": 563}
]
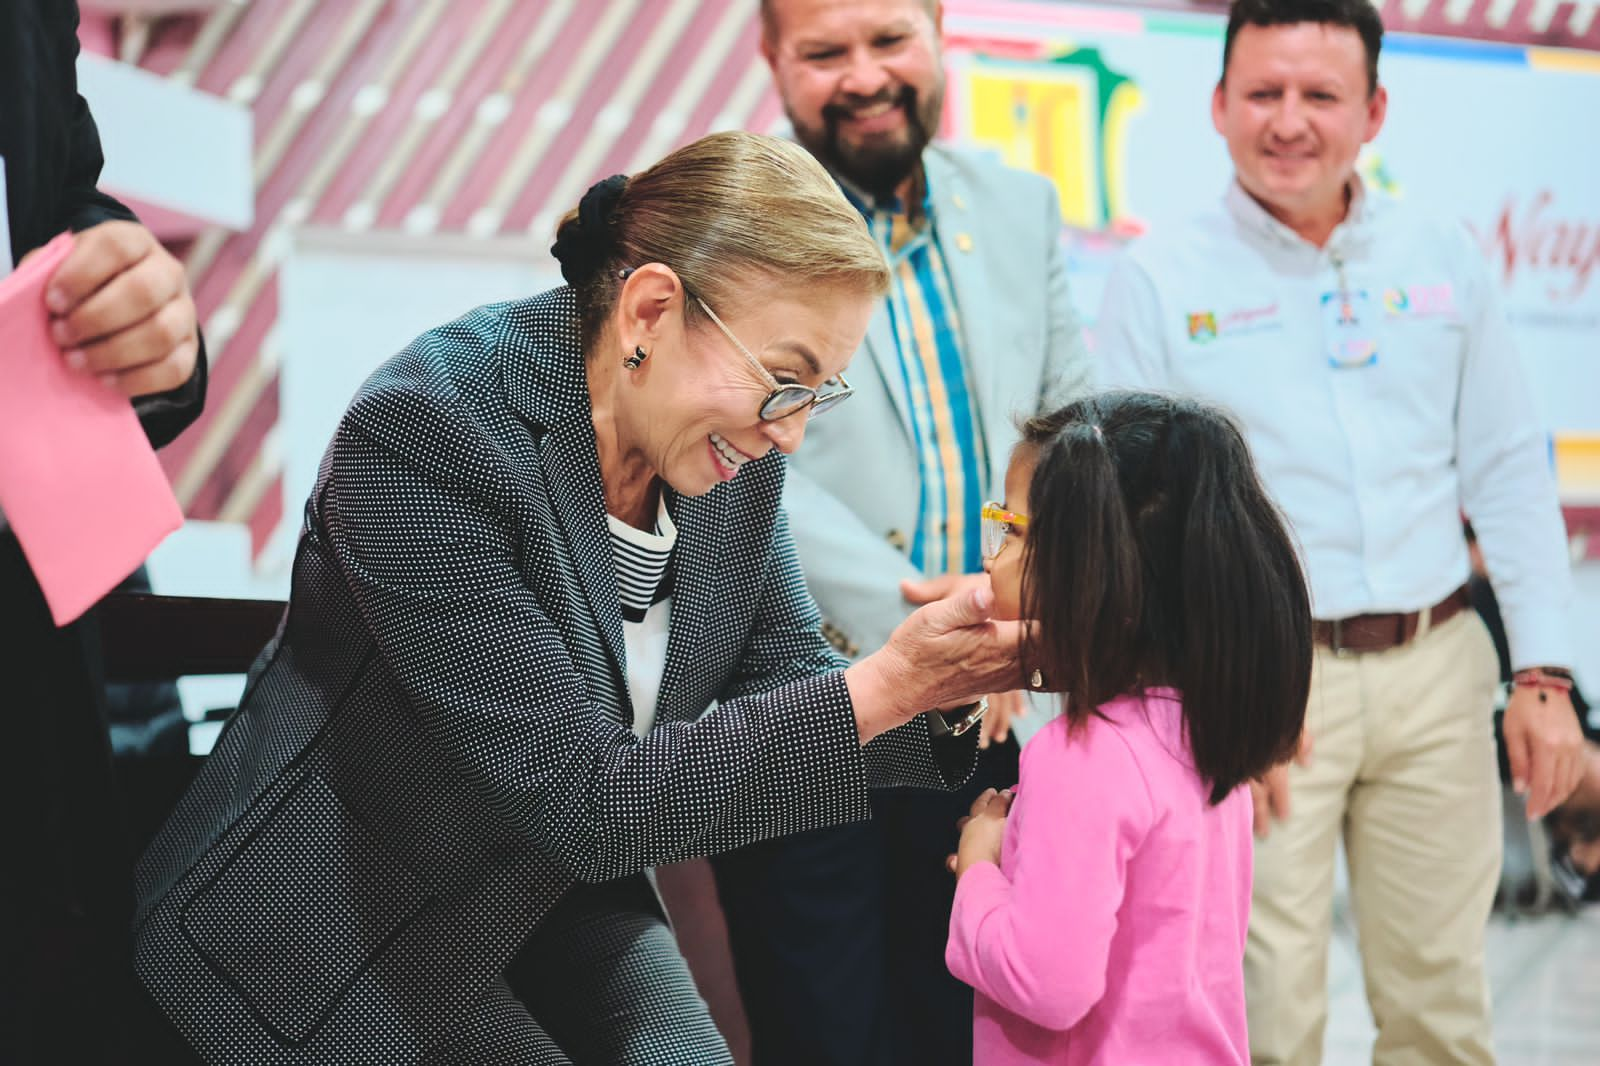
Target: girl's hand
[{"x": 981, "y": 831}]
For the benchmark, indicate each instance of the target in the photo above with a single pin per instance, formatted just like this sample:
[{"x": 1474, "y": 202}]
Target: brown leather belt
[{"x": 1379, "y": 632}]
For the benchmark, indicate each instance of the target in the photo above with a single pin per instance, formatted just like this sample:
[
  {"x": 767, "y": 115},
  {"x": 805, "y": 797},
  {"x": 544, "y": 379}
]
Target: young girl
[{"x": 1101, "y": 913}]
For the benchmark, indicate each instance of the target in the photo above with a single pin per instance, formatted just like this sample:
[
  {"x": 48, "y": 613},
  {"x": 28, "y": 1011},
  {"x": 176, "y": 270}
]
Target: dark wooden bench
[{"x": 146, "y": 637}]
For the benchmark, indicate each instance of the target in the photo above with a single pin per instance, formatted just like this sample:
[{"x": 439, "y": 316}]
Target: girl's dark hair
[{"x": 1154, "y": 557}]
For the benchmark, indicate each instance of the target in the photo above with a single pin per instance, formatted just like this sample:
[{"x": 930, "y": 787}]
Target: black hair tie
[
  {"x": 600, "y": 202},
  {"x": 583, "y": 249}
]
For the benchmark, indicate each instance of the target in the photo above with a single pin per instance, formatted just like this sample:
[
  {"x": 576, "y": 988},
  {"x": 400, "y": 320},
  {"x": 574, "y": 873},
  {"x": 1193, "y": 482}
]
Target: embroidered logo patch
[
  {"x": 1207, "y": 326},
  {"x": 1420, "y": 301}
]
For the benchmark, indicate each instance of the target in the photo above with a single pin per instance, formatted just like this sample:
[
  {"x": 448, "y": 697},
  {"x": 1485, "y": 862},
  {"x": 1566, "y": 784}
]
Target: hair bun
[{"x": 586, "y": 240}]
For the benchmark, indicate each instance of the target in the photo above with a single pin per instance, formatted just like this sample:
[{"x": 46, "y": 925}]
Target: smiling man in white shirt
[{"x": 1362, "y": 347}]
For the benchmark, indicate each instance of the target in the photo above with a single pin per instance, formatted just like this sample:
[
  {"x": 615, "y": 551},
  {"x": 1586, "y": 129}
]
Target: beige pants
[{"x": 1403, "y": 766}]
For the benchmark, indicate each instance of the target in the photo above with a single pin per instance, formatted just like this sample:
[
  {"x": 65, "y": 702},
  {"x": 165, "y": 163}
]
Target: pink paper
[{"x": 79, "y": 483}]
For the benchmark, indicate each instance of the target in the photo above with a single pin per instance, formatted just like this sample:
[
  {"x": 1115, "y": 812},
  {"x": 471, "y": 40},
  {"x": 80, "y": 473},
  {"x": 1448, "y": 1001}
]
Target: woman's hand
[
  {"x": 982, "y": 831},
  {"x": 946, "y": 654},
  {"x": 1004, "y": 707}
]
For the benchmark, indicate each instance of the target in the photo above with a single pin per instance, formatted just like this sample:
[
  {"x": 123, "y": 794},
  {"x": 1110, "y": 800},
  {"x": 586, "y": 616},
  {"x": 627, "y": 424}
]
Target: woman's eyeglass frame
[{"x": 785, "y": 399}]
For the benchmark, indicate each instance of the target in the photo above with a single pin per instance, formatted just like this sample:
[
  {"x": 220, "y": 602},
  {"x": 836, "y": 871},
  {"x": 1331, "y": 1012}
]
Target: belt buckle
[{"x": 1336, "y": 641}]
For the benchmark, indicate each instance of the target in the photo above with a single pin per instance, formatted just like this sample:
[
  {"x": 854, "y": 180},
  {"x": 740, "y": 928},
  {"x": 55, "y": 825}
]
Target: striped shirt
[
  {"x": 644, "y": 589},
  {"x": 926, "y": 327}
]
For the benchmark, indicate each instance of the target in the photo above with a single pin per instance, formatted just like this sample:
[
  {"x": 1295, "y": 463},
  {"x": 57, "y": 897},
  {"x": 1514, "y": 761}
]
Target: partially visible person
[
  {"x": 121, "y": 311},
  {"x": 837, "y": 935},
  {"x": 1574, "y": 824},
  {"x": 1361, "y": 345},
  {"x": 1487, "y": 604},
  {"x": 1575, "y": 829},
  {"x": 547, "y": 630},
  {"x": 1101, "y": 907}
]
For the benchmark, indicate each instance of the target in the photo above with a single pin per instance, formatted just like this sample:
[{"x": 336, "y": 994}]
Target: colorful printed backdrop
[{"x": 462, "y": 120}]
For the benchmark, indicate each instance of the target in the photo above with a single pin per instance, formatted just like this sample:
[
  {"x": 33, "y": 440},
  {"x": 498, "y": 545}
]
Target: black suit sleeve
[
  {"x": 163, "y": 415},
  {"x": 166, "y": 414},
  {"x": 83, "y": 204}
]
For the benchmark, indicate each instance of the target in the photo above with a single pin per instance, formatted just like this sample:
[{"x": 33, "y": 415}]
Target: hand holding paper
[
  {"x": 79, "y": 483},
  {"x": 122, "y": 312}
]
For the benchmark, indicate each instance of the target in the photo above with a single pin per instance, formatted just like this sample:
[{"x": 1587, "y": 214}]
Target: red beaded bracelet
[{"x": 1543, "y": 678}]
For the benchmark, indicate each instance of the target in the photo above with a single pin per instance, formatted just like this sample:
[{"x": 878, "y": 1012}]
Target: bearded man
[{"x": 839, "y": 934}]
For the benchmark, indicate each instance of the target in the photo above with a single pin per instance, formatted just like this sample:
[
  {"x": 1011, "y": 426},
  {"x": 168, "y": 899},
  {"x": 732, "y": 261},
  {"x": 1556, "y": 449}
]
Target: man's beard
[{"x": 877, "y": 167}]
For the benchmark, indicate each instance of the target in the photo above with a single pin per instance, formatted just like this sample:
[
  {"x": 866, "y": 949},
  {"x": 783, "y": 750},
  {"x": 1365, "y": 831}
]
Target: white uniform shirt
[{"x": 1375, "y": 419}]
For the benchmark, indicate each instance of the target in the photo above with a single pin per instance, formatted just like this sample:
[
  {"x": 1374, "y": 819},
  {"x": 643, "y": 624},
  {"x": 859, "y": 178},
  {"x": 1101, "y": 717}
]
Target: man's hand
[
  {"x": 982, "y": 831},
  {"x": 1544, "y": 744},
  {"x": 120, "y": 309},
  {"x": 1270, "y": 794},
  {"x": 1004, "y": 707}
]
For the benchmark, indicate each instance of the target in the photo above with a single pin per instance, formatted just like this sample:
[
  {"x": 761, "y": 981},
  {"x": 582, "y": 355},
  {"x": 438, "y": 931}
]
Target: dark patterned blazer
[{"x": 437, "y": 744}]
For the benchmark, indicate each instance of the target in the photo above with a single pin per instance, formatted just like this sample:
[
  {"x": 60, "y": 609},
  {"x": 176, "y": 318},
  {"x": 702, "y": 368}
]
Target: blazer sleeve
[
  {"x": 786, "y": 643},
  {"x": 413, "y": 509}
]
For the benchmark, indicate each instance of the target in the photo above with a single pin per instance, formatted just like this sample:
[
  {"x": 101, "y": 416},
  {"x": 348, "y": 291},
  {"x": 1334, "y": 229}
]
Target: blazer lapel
[
  {"x": 572, "y": 475},
  {"x": 701, "y": 523},
  {"x": 964, "y": 256},
  {"x": 547, "y": 386}
]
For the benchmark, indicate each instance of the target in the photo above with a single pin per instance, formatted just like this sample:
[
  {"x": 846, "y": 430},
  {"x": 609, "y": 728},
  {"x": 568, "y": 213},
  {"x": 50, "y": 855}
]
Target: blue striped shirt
[{"x": 926, "y": 326}]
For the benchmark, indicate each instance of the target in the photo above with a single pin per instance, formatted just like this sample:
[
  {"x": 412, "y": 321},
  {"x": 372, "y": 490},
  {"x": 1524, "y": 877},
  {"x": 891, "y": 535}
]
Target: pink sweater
[{"x": 1113, "y": 929}]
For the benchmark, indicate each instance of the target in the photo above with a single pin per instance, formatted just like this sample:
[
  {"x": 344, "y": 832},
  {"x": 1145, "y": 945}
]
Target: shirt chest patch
[
  {"x": 1207, "y": 326},
  {"x": 1420, "y": 301}
]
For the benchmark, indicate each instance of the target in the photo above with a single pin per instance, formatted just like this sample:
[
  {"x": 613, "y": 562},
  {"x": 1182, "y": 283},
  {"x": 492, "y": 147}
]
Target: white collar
[{"x": 1249, "y": 212}]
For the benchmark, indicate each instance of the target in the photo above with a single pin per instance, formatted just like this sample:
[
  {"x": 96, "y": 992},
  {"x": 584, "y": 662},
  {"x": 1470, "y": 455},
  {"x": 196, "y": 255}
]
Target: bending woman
[{"x": 544, "y": 541}]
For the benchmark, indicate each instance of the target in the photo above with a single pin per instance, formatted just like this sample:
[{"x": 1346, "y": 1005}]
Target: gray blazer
[
  {"x": 852, "y": 491},
  {"x": 436, "y": 746}
]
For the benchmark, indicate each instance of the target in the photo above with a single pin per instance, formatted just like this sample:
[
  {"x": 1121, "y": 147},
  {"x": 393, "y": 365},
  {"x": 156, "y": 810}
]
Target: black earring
[{"x": 639, "y": 355}]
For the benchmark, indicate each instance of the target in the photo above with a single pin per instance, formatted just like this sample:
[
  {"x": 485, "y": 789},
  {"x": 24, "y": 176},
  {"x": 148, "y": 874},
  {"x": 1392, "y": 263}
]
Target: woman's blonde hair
[{"x": 724, "y": 212}]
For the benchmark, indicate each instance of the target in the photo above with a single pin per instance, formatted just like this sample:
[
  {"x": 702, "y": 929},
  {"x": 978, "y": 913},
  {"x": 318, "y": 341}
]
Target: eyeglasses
[
  {"x": 996, "y": 529},
  {"x": 785, "y": 399}
]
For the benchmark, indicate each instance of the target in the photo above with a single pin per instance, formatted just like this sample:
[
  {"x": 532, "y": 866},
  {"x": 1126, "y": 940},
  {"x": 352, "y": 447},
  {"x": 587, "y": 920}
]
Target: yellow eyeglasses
[{"x": 997, "y": 526}]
